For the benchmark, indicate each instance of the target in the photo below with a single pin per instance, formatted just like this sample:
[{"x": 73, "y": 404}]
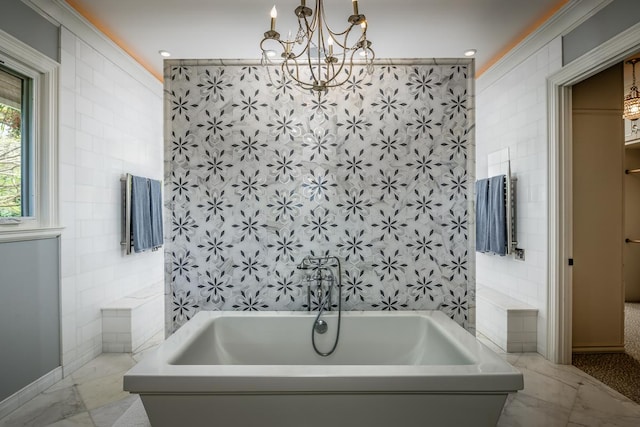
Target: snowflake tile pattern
[{"x": 259, "y": 174}]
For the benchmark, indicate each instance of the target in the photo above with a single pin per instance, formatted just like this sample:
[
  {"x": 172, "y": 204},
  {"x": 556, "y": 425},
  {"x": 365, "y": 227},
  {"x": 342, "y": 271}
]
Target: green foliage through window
[{"x": 11, "y": 149}]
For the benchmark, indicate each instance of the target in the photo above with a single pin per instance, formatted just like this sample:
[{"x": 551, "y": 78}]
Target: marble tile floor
[
  {"x": 92, "y": 396},
  {"x": 562, "y": 396},
  {"x": 554, "y": 395}
]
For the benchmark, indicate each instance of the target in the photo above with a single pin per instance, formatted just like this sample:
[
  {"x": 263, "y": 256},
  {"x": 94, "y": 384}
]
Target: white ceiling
[{"x": 233, "y": 28}]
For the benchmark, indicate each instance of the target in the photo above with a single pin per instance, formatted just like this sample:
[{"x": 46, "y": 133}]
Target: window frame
[
  {"x": 43, "y": 128},
  {"x": 27, "y": 191}
]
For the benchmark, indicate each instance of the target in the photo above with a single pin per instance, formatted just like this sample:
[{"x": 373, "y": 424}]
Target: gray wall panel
[
  {"x": 29, "y": 312},
  {"x": 616, "y": 17},
  {"x": 28, "y": 26}
]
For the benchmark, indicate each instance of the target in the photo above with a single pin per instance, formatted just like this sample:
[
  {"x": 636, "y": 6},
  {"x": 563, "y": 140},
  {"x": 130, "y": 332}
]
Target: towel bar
[
  {"x": 511, "y": 203},
  {"x": 126, "y": 241},
  {"x": 509, "y": 222},
  {"x": 133, "y": 227}
]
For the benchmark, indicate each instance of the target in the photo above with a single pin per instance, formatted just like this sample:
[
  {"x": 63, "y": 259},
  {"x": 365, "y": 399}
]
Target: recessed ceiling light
[
  {"x": 470, "y": 52},
  {"x": 164, "y": 53}
]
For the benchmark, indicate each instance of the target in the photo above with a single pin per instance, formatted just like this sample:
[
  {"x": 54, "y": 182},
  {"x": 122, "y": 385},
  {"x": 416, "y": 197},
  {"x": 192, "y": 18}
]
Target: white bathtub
[{"x": 241, "y": 369}]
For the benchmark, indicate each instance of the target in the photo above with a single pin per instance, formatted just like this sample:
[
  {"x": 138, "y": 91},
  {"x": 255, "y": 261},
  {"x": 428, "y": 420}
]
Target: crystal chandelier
[
  {"x": 632, "y": 100},
  {"x": 318, "y": 58}
]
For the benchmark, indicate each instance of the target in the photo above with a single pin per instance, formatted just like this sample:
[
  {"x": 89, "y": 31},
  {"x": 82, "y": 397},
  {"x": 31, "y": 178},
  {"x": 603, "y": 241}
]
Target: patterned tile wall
[{"x": 259, "y": 174}]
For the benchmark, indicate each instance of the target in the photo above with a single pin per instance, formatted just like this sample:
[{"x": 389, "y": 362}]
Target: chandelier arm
[
  {"x": 335, "y": 81},
  {"x": 308, "y": 28},
  {"x": 306, "y": 39},
  {"x": 336, "y": 37},
  {"x": 282, "y": 44},
  {"x": 290, "y": 69},
  {"x": 310, "y": 60},
  {"x": 315, "y": 26},
  {"x": 315, "y": 21},
  {"x": 287, "y": 69},
  {"x": 335, "y": 74},
  {"x": 284, "y": 69},
  {"x": 349, "y": 71},
  {"x": 296, "y": 77},
  {"x": 368, "y": 62},
  {"x": 331, "y": 76},
  {"x": 353, "y": 20}
]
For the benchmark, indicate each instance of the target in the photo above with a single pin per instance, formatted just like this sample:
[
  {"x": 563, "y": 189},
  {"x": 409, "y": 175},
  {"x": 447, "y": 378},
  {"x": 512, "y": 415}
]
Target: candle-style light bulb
[
  {"x": 288, "y": 43},
  {"x": 363, "y": 25},
  {"x": 274, "y": 15},
  {"x": 330, "y": 44},
  {"x": 355, "y": 7}
]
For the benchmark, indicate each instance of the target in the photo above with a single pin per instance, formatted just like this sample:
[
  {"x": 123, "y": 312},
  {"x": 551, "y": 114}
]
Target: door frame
[{"x": 559, "y": 186}]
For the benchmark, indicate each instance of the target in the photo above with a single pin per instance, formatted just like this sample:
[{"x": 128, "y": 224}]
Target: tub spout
[{"x": 306, "y": 264}]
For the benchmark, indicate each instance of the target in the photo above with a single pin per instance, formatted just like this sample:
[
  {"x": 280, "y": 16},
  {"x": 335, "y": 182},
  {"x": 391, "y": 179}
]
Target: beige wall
[
  {"x": 598, "y": 172},
  {"x": 632, "y": 226}
]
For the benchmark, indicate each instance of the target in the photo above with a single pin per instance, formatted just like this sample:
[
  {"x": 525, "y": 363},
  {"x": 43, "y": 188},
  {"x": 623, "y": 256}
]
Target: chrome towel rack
[
  {"x": 126, "y": 241},
  {"x": 512, "y": 227}
]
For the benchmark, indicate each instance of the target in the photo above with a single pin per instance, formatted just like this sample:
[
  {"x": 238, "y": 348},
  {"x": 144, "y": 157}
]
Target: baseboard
[
  {"x": 30, "y": 391},
  {"x": 603, "y": 349}
]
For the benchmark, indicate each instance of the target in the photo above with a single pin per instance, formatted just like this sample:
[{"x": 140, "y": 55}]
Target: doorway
[{"x": 560, "y": 184}]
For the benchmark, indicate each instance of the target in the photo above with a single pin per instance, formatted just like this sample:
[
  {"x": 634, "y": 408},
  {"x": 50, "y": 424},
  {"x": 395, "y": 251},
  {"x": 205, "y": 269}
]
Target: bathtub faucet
[
  {"x": 312, "y": 263},
  {"x": 322, "y": 271},
  {"x": 323, "y": 277}
]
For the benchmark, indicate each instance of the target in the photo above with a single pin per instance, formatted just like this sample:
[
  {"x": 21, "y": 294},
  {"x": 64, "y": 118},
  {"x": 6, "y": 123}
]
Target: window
[
  {"x": 16, "y": 165},
  {"x": 28, "y": 141}
]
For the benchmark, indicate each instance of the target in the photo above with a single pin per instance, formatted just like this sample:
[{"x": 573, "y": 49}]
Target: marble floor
[
  {"x": 92, "y": 396},
  {"x": 554, "y": 395}
]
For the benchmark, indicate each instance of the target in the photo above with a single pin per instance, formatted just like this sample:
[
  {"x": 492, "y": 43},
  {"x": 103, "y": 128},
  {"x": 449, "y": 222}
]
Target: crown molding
[
  {"x": 64, "y": 15},
  {"x": 566, "y": 19}
]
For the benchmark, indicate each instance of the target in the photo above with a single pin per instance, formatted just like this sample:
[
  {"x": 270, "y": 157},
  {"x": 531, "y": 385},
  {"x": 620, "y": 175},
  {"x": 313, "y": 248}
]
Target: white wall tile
[
  {"x": 530, "y": 323},
  {"x": 130, "y": 321},
  {"x": 515, "y": 323},
  {"x": 67, "y": 107},
  {"x": 520, "y": 97},
  {"x": 91, "y": 166}
]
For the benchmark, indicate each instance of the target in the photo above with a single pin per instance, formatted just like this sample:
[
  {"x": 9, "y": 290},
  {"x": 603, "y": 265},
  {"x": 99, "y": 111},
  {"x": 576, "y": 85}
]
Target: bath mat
[{"x": 135, "y": 416}]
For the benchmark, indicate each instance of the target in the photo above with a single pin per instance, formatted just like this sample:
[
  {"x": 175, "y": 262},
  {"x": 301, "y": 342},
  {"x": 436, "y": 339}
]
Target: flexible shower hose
[{"x": 323, "y": 303}]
